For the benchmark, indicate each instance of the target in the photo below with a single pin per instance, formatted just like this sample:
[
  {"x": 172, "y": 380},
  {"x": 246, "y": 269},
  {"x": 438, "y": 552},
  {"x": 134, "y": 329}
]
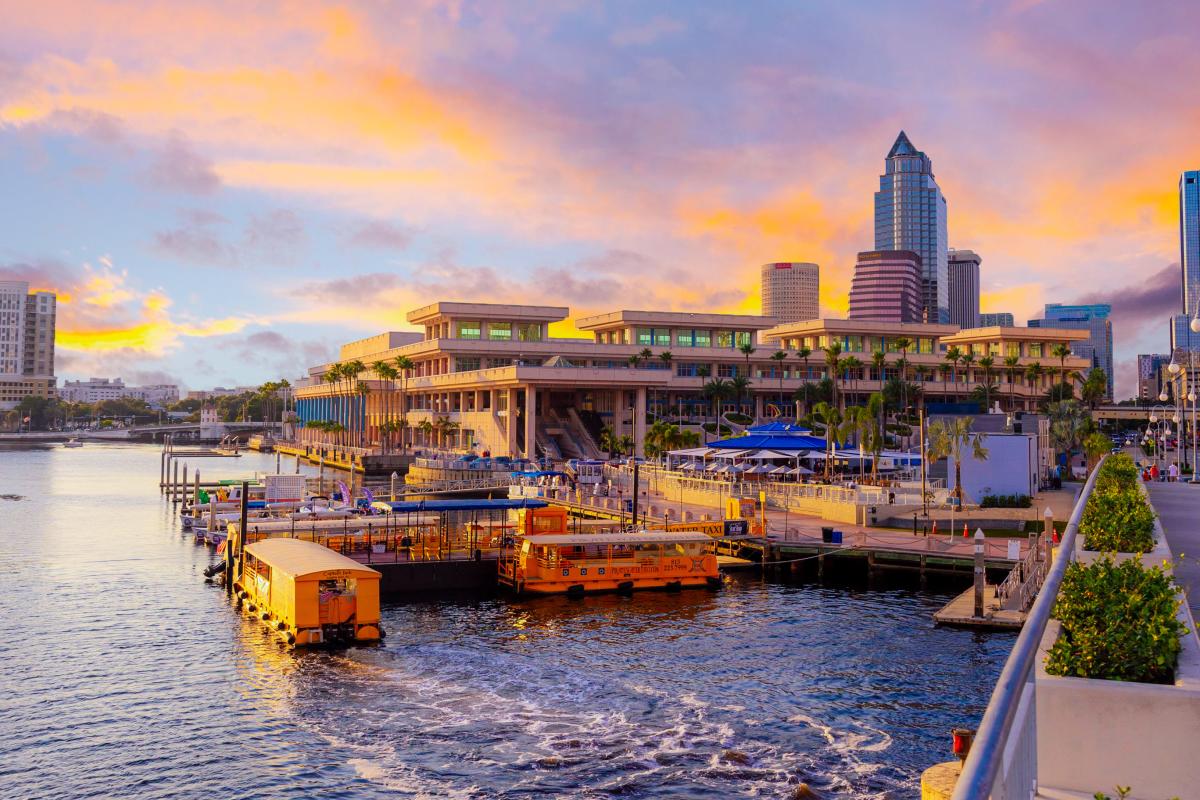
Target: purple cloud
[
  {"x": 382, "y": 235},
  {"x": 179, "y": 167}
]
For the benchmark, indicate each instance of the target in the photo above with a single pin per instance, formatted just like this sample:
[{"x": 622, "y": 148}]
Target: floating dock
[{"x": 960, "y": 612}]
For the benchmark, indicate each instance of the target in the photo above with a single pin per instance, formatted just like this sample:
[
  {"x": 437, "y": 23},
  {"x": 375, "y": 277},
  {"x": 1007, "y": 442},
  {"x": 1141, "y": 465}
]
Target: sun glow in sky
[{"x": 224, "y": 192}]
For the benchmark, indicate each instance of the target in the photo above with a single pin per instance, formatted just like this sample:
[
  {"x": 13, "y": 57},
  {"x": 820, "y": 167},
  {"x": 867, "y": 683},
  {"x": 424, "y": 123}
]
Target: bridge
[
  {"x": 1116, "y": 412},
  {"x": 180, "y": 430}
]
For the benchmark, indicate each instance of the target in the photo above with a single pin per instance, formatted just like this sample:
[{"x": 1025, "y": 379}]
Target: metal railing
[{"x": 1002, "y": 763}]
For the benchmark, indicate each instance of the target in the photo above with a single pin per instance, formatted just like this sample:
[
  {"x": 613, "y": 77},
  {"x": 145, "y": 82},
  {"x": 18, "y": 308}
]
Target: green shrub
[
  {"x": 1118, "y": 623},
  {"x": 1118, "y": 521},
  {"x": 1005, "y": 501},
  {"x": 1118, "y": 472},
  {"x": 740, "y": 419}
]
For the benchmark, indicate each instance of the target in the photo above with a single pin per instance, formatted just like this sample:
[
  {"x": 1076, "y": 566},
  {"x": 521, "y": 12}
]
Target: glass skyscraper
[
  {"x": 1092, "y": 318},
  {"x": 1182, "y": 336},
  {"x": 910, "y": 214}
]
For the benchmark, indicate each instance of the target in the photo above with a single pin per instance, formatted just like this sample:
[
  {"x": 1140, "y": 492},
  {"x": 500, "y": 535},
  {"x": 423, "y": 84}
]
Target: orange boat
[{"x": 576, "y": 564}]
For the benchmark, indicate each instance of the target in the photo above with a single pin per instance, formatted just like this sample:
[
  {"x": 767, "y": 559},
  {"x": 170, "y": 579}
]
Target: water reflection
[{"x": 134, "y": 679}]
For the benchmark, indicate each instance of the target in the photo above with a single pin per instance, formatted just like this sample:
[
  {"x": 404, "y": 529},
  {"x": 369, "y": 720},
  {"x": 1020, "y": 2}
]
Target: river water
[{"x": 123, "y": 675}]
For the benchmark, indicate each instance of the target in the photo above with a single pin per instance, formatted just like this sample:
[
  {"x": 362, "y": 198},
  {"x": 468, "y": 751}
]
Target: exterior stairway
[{"x": 583, "y": 438}]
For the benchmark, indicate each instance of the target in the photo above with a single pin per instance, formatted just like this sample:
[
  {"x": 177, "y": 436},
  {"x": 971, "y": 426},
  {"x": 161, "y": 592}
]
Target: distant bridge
[{"x": 1116, "y": 412}]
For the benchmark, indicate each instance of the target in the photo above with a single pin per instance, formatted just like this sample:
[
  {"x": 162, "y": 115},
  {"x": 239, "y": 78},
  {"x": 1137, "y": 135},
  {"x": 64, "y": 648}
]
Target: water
[{"x": 123, "y": 675}]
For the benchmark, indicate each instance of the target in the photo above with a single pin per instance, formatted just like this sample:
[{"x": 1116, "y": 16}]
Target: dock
[{"x": 960, "y": 612}]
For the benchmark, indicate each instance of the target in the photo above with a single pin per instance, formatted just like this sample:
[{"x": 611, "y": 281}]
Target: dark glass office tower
[{"x": 910, "y": 214}]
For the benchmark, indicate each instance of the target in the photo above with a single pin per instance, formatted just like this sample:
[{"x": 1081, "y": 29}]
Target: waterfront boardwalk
[
  {"x": 1177, "y": 504},
  {"x": 960, "y": 612}
]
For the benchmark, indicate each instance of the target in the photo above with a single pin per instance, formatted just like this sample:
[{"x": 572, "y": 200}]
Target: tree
[
  {"x": 425, "y": 426},
  {"x": 987, "y": 362},
  {"x": 1069, "y": 422},
  {"x": 1061, "y": 352},
  {"x": 662, "y": 438},
  {"x": 1033, "y": 374},
  {"x": 778, "y": 357},
  {"x": 879, "y": 363},
  {"x": 833, "y": 360},
  {"x": 362, "y": 390},
  {"x": 665, "y": 357},
  {"x": 332, "y": 376},
  {"x": 804, "y": 353},
  {"x": 715, "y": 391},
  {"x": 1011, "y": 365},
  {"x": 1094, "y": 388},
  {"x": 1096, "y": 445},
  {"x": 949, "y": 438},
  {"x": 952, "y": 357},
  {"x": 609, "y": 441},
  {"x": 740, "y": 386},
  {"x": 852, "y": 367},
  {"x": 386, "y": 373},
  {"x": 903, "y": 344},
  {"x": 747, "y": 350},
  {"x": 833, "y": 423},
  {"x": 968, "y": 359},
  {"x": 404, "y": 365}
]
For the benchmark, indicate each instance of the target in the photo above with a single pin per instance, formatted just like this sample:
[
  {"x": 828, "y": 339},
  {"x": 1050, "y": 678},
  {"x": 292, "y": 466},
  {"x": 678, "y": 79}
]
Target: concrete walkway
[{"x": 1178, "y": 507}]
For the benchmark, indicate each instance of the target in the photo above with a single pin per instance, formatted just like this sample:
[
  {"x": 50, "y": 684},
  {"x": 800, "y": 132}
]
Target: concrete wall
[{"x": 1010, "y": 468}]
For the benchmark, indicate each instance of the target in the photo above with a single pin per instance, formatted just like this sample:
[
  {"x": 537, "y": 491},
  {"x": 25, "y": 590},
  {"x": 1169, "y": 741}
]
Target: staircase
[
  {"x": 548, "y": 446},
  {"x": 561, "y": 434},
  {"x": 583, "y": 437}
]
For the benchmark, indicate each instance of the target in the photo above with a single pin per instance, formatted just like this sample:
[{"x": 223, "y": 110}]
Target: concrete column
[
  {"x": 530, "y": 421},
  {"x": 511, "y": 423},
  {"x": 758, "y": 407},
  {"x": 639, "y": 423}
]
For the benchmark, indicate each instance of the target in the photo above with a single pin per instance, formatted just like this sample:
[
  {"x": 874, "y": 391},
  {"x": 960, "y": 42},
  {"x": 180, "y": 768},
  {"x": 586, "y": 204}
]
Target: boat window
[{"x": 342, "y": 587}]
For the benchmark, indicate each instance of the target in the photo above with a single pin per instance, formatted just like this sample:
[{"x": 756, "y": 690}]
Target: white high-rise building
[
  {"x": 26, "y": 343},
  {"x": 791, "y": 291},
  {"x": 962, "y": 268}
]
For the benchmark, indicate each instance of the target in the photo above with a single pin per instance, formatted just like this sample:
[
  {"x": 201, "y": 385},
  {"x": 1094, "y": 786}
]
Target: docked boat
[
  {"x": 262, "y": 442},
  {"x": 577, "y": 564},
  {"x": 72, "y": 443},
  {"x": 308, "y": 594}
]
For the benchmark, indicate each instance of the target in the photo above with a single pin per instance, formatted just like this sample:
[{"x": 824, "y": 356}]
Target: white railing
[{"x": 1002, "y": 764}]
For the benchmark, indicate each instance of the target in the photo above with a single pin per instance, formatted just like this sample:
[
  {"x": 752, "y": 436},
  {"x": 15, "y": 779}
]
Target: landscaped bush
[
  {"x": 1118, "y": 623},
  {"x": 1117, "y": 472},
  {"x": 1118, "y": 521},
  {"x": 739, "y": 419},
  {"x": 1005, "y": 501}
]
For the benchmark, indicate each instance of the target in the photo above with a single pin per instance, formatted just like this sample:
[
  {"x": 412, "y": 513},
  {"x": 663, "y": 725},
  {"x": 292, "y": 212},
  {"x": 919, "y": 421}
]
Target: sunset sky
[{"x": 222, "y": 193}]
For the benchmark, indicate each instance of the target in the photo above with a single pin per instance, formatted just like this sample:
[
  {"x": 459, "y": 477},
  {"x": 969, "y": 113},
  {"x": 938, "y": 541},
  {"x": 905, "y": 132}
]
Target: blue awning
[{"x": 760, "y": 441}]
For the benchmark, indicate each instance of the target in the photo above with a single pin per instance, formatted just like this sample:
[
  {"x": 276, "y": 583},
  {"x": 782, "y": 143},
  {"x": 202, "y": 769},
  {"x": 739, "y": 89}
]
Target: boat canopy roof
[
  {"x": 299, "y": 558},
  {"x": 630, "y": 537},
  {"x": 499, "y": 504}
]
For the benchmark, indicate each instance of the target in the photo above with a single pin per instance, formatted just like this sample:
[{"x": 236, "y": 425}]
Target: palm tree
[
  {"x": 852, "y": 367},
  {"x": 404, "y": 366},
  {"x": 987, "y": 362},
  {"x": 946, "y": 370},
  {"x": 609, "y": 441},
  {"x": 832, "y": 420},
  {"x": 665, "y": 357},
  {"x": 425, "y": 426},
  {"x": 804, "y": 353},
  {"x": 949, "y": 438},
  {"x": 1068, "y": 423},
  {"x": 778, "y": 357},
  {"x": 1011, "y": 364},
  {"x": 332, "y": 376},
  {"x": 967, "y": 360},
  {"x": 350, "y": 372},
  {"x": 740, "y": 386},
  {"x": 747, "y": 350},
  {"x": 362, "y": 389},
  {"x": 715, "y": 391},
  {"x": 952, "y": 357},
  {"x": 903, "y": 344},
  {"x": 1061, "y": 352},
  {"x": 1033, "y": 373},
  {"x": 1094, "y": 388},
  {"x": 386, "y": 374},
  {"x": 833, "y": 360}
]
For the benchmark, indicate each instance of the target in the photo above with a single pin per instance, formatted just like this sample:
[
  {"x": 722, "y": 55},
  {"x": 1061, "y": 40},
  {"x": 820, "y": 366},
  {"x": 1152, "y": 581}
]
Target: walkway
[{"x": 1178, "y": 507}]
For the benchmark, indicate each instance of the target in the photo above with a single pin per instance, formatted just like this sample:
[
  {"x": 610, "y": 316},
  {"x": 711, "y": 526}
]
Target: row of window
[{"x": 498, "y": 331}]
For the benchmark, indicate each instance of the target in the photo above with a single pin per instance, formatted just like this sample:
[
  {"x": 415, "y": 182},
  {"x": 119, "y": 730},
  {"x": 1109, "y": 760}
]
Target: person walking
[{"x": 1173, "y": 473}]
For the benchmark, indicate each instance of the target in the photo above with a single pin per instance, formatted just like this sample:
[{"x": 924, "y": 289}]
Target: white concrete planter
[
  {"x": 1093, "y": 735},
  {"x": 1160, "y": 553}
]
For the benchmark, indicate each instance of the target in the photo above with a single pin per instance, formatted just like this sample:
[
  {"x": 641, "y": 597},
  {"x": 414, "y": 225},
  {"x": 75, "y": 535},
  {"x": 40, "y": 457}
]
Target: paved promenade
[{"x": 1178, "y": 507}]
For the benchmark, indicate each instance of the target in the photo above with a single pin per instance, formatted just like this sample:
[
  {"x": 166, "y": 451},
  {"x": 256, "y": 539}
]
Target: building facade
[
  {"x": 27, "y": 325},
  {"x": 1150, "y": 376},
  {"x": 488, "y": 377},
  {"x": 1182, "y": 337},
  {"x": 1000, "y": 319},
  {"x": 910, "y": 214},
  {"x": 97, "y": 390},
  {"x": 887, "y": 287},
  {"x": 791, "y": 291},
  {"x": 962, "y": 268},
  {"x": 1093, "y": 318}
]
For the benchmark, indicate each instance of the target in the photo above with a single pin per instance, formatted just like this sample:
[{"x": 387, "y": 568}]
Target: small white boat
[{"x": 72, "y": 443}]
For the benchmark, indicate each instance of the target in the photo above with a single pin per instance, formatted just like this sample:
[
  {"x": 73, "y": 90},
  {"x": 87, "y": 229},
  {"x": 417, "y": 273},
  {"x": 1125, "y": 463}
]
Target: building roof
[
  {"x": 1005, "y": 333},
  {"x": 812, "y": 327},
  {"x": 616, "y": 319},
  {"x": 758, "y": 441},
  {"x": 496, "y": 311},
  {"x": 297, "y": 557},
  {"x": 903, "y": 147},
  {"x": 502, "y": 504},
  {"x": 632, "y": 537}
]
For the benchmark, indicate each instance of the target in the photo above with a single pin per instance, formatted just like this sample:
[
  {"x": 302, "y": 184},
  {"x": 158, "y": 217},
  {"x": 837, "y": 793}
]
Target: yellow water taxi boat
[
  {"x": 309, "y": 594},
  {"x": 576, "y": 564}
]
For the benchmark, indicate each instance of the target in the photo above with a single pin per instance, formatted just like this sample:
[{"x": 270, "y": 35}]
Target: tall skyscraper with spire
[{"x": 910, "y": 214}]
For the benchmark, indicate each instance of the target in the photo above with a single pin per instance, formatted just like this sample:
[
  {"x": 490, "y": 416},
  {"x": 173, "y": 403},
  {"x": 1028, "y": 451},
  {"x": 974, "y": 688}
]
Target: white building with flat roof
[{"x": 791, "y": 291}]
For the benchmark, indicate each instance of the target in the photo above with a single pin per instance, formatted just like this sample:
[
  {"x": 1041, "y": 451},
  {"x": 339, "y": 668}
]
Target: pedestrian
[
  {"x": 1154, "y": 472},
  {"x": 1173, "y": 473}
]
